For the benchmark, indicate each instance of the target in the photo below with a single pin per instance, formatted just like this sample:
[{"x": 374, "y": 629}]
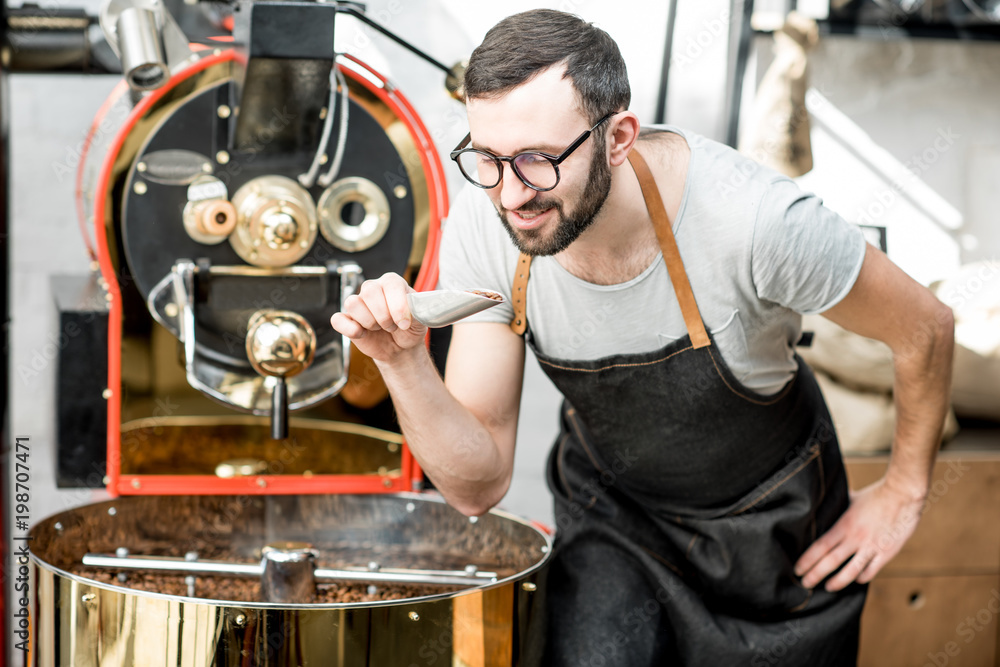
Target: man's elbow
[
  {"x": 931, "y": 341},
  {"x": 943, "y": 344},
  {"x": 480, "y": 502},
  {"x": 473, "y": 507}
]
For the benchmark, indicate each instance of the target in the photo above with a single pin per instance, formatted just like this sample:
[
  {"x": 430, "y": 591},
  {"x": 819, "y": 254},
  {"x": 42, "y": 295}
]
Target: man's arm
[
  {"x": 889, "y": 306},
  {"x": 462, "y": 434}
]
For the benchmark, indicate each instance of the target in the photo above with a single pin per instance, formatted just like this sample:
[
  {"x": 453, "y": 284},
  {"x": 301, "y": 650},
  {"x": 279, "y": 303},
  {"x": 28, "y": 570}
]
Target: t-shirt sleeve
[
  {"x": 474, "y": 253},
  {"x": 805, "y": 257}
]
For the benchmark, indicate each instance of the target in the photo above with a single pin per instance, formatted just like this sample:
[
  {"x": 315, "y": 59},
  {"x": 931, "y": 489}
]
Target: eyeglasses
[{"x": 537, "y": 170}]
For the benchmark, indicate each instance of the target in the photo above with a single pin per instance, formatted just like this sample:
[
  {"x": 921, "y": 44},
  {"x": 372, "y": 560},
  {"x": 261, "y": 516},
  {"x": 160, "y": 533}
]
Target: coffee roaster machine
[{"x": 265, "y": 510}]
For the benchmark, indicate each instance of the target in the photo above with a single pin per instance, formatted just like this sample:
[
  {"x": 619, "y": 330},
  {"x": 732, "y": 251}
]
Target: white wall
[{"x": 933, "y": 106}]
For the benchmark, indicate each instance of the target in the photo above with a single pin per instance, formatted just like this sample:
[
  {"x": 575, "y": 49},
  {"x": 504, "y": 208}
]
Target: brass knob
[
  {"x": 279, "y": 229},
  {"x": 276, "y": 221},
  {"x": 209, "y": 217},
  {"x": 454, "y": 82},
  {"x": 280, "y": 343},
  {"x": 215, "y": 218}
]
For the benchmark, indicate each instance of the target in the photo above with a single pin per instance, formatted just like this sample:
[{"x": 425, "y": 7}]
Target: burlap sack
[{"x": 778, "y": 135}]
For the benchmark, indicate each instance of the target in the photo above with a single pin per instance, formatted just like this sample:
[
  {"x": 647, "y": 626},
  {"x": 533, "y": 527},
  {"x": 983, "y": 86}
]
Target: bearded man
[{"x": 702, "y": 510}]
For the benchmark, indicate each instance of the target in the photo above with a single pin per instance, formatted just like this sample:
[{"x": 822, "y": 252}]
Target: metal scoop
[{"x": 443, "y": 307}]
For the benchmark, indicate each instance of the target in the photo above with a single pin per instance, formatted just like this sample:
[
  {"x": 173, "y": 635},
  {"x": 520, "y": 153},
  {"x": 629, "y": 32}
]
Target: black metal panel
[
  {"x": 288, "y": 51},
  {"x": 154, "y": 236},
  {"x": 285, "y": 29},
  {"x": 225, "y": 304},
  {"x": 81, "y": 377},
  {"x": 941, "y": 19},
  {"x": 281, "y": 99}
]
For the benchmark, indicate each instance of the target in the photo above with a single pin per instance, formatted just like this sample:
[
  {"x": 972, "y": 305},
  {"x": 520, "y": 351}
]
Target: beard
[{"x": 568, "y": 228}]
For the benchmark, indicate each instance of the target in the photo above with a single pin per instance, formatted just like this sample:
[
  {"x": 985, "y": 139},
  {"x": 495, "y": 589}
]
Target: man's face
[{"x": 543, "y": 114}]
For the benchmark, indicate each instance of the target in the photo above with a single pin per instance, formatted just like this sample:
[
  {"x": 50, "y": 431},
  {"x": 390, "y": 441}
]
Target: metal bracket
[{"x": 172, "y": 304}]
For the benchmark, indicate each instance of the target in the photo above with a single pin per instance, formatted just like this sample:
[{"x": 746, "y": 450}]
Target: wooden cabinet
[{"x": 937, "y": 603}]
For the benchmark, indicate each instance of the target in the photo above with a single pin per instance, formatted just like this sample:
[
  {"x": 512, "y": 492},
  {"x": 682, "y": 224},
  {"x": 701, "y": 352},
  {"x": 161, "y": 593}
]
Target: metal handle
[{"x": 279, "y": 409}]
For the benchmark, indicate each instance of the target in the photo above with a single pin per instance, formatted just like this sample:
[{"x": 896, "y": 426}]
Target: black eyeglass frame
[{"x": 555, "y": 160}]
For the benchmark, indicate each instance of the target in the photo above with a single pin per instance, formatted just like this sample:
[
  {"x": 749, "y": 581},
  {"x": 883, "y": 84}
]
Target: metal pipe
[
  {"x": 399, "y": 40},
  {"x": 51, "y": 39},
  {"x": 166, "y": 564},
  {"x": 668, "y": 49},
  {"x": 739, "y": 51},
  {"x": 143, "y": 60},
  {"x": 470, "y": 571},
  {"x": 216, "y": 567},
  {"x": 390, "y": 577}
]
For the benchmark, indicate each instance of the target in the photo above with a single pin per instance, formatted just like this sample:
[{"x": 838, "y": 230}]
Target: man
[{"x": 702, "y": 509}]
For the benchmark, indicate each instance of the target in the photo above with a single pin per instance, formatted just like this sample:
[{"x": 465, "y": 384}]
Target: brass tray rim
[
  {"x": 253, "y": 420},
  {"x": 546, "y": 550}
]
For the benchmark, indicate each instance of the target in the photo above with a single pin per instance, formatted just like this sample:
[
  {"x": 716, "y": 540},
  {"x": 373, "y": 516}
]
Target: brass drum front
[{"x": 88, "y": 616}]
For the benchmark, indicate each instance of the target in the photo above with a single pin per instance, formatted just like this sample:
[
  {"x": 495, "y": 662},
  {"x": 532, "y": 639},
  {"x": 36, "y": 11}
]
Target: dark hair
[{"x": 522, "y": 45}]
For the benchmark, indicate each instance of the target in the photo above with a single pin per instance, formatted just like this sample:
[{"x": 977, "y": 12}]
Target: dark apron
[{"x": 683, "y": 500}]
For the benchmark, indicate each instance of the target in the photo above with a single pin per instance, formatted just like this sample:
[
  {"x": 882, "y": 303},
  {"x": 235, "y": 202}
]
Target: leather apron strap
[
  {"x": 519, "y": 295},
  {"x": 671, "y": 255}
]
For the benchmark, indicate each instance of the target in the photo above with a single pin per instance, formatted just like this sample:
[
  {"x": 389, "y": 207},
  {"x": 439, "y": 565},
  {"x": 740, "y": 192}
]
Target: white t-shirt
[{"x": 757, "y": 250}]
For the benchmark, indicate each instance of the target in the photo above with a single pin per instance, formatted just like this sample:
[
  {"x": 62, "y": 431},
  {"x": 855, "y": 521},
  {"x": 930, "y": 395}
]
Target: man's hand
[
  {"x": 867, "y": 536},
  {"x": 378, "y": 319},
  {"x": 887, "y": 305},
  {"x": 462, "y": 434}
]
